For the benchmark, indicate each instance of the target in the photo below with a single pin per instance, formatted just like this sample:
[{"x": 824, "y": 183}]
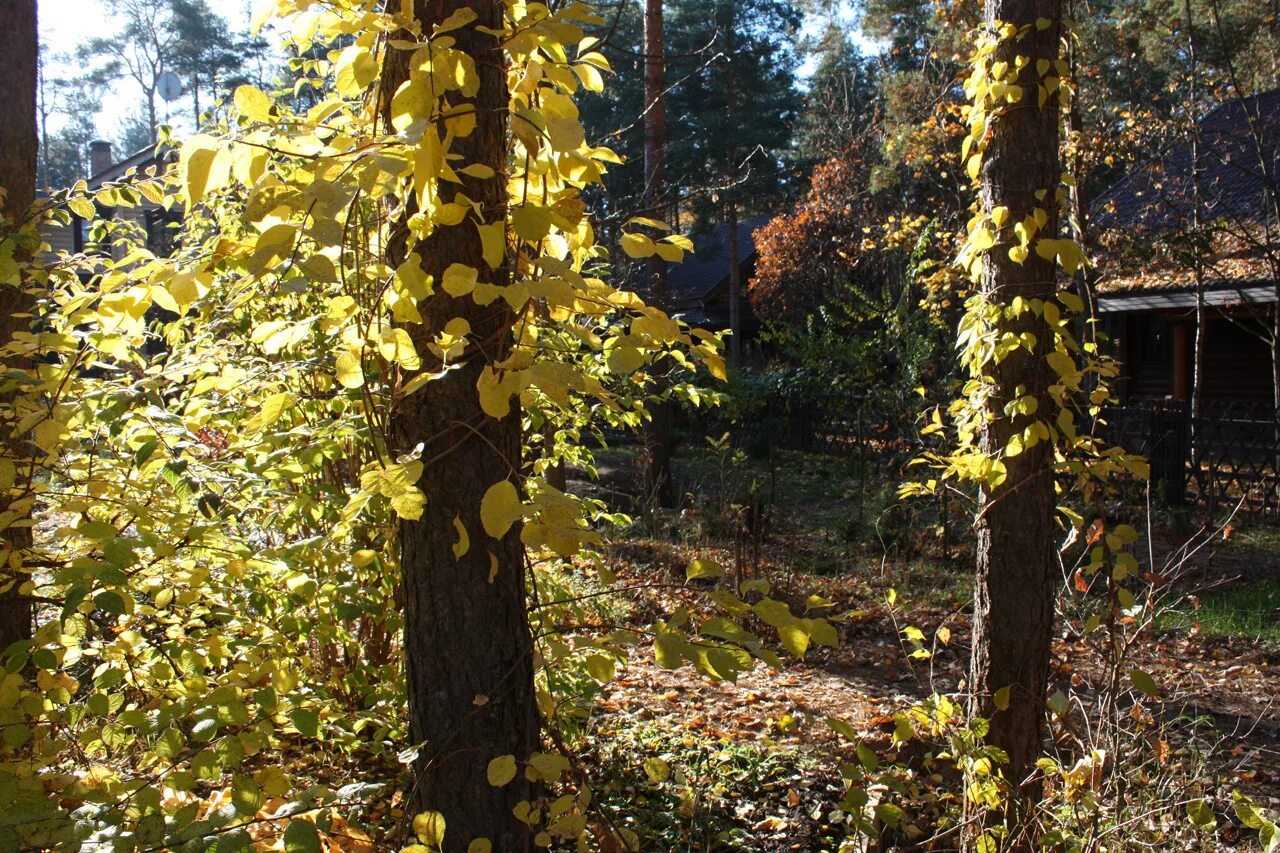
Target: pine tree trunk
[
  {"x": 735, "y": 256},
  {"x": 1197, "y": 261},
  {"x": 657, "y": 436},
  {"x": 467, "y": 645},
  {"x": 1017, "y": 568},
  {"x": 735, "y": 286},
  {"x": 18, "y": 154}
]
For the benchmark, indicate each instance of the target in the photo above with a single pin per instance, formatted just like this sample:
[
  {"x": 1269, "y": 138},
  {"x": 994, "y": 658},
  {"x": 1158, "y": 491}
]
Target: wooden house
[
  {"x": 698, "y": 287},
  {"x": 152, "y": 219},
  {"x": 1153, "y": 253}
]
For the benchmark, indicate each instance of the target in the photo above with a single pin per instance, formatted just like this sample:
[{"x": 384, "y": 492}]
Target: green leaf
[
  {"x": 301, "y": 837},
  {"x": 668, "y": 649},
  {"x": 1144, "y": 682},
  {"x": 1202, "y": 816},
  {"x": 306, "y": 721}
]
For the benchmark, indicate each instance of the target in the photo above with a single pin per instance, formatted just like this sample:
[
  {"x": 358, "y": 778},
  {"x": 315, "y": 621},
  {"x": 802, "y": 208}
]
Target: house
[
  {"x": 1147, "y": 294},
  {"x": 698, "y": 287},
  {"x": 151, "y": 218}
]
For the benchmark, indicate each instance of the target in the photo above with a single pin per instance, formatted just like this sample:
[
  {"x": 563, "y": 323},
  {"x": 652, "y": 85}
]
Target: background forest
[{"x": 640, "y": 426}]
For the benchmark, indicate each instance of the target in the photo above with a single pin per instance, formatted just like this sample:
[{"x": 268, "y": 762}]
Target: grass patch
[{"x": 1249, "y": 613}]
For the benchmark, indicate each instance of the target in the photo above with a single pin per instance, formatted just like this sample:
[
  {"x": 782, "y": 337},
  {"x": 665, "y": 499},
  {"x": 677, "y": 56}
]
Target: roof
[
  {"x": 137, "y": 160},
  {"x": 1217, "y": 295},
  {"x": 1158, "y": 196},
  {"x": 702, "y": 273},
  {"x": 1156, "y": 200}
]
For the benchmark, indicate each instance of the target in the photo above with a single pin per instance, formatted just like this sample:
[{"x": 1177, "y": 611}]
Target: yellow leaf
[
  {"x": 480, "y": 845},
  {"x": 271, "y": 411},
  {"x": 637, "y": 245},
  {"x": 493, "y": 242},
  {"x": 463, "y": 545},
  {"x": 395, "y": 345},
  {"x": 982, "y": 239},
  {"x": 460, "y": 18},
  {"x": 355, "y": 70},
  {"x": 253, "y": 103},
  {"x": 624, "y": 359},
  {"x": 82, "y": 207},
  {"x": 1001, "y": 698},
  {"x": 429, "y": 827},
  {"x": 591, "y": 78},
  {"x": 196, "y": 161},
  {"x": 999, "y": 215},
  {"x": 716, "y": 365},
  {"x": 495, "y": 390},
  {"x": 459, "y": 280},
  {"x": 350, "y": 373},
  {"x": 501, "y": 770},
  {"x": 669, "y": 253},
  {"x": 500, "y": 508}
]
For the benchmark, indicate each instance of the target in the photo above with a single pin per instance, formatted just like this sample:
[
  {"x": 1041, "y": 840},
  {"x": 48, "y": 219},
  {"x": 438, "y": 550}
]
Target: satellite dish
[{"x": 169, "y": 86}]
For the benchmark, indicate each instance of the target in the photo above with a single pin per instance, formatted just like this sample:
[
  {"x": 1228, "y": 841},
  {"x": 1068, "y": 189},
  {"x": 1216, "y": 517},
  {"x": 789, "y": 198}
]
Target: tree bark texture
[
  {"x": 18, "y": 156},
  {"x": 1017, "y": 567},
  {"x": 658, "y": 486},
  {"x": 467, "y": 645}
]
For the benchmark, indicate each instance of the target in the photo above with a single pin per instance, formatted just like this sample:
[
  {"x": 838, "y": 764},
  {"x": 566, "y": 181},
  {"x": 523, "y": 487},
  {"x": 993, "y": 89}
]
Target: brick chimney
[{"x": 99, "y": 157}]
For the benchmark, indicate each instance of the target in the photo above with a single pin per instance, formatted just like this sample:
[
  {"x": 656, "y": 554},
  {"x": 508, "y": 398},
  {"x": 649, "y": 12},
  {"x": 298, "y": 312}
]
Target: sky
[{"x": 66, "y": 24}]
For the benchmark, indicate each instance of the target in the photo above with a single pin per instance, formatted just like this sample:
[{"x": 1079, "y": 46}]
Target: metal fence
[{"x": 1229, "y": 454}]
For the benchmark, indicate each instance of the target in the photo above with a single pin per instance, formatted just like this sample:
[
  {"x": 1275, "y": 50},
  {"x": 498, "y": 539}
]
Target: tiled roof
[{"x": 1156, "y": 200}]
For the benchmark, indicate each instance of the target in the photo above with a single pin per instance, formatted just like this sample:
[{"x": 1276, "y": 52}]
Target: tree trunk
[
  {"x": 1017, "y": 567},
  {"x": 195, "y": 101},
  {"x": 735, "y": 257},
  {"x": 657, "y": 435},
  {"x": 1080, "y": 202},
  {"x": 467, "y": 645},
  {"x": 735, "y": 286},
  {"x": 18, "y": 154},
  {"x": 1197, "y": 261}
]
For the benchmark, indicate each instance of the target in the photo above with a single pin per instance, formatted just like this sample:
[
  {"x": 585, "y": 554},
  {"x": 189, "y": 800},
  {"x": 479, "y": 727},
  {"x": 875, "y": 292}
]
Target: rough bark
[
  {"x": 735, "y": 287},
  {"x": 18, "y": 156},
  {"x": 735, "y": 255},
  {"x": 1017, "y": 568},
  {"x": 468, "y": 650},
  {"x": 1197, "y": 260},
  {"x": 657, "y": 437}
]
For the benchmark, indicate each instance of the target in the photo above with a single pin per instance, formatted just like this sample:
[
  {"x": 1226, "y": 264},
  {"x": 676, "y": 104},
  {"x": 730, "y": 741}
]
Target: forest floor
[{"x": 754, "y": 765}]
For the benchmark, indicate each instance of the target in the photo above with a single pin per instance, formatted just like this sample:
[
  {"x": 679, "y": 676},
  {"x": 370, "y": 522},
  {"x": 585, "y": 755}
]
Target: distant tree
[
  {"x": 133, "y": 135},
  {"x": 842, "y": 99},
  {"x": 732, "y": 104},
  {"x": 206, "y": 53},
  {"x": 710, "y": 45},
  {"x": 64, "y": 152},
  {"x": 142, "y": 51}
]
